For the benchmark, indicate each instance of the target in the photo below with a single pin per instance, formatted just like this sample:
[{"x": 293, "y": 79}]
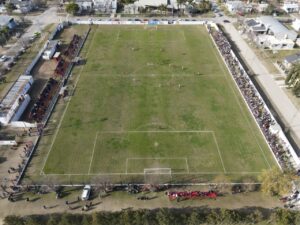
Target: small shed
[
  {"x": 290, "y": 60},
  {"x": 50, "y": 50}
]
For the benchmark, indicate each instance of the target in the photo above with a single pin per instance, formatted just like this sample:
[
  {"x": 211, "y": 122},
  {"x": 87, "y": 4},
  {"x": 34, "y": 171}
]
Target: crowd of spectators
[
  {"x": 254, "y": 101},
  {"x": 40, "y": 107},
  {"x": 8, "y": 187},
  {"x": 61, "y": 67},
  {"x": 71, "y": 51}
]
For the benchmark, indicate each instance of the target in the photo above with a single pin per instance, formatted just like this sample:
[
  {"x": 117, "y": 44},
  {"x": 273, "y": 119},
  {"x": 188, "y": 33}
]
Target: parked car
[
  {"x": 86, "y": 192},
  {"x": 4, "y": 58},
  {"x": 226, "y": 21}
]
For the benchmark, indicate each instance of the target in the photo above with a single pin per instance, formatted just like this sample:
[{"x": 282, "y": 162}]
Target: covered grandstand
[{"x": 16, "y": 100}]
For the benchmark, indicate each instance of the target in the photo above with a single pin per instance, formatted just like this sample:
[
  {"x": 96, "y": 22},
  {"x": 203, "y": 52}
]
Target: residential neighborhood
[{"x": 149, "y": 112}]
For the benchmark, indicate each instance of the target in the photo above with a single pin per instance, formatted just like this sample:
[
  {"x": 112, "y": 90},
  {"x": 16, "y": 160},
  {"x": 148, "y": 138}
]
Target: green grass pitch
[{"x": 150, "y": 98}]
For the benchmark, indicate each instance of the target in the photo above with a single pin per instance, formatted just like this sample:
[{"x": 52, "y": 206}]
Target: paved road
[
  {"x": 280, "y": 101},
  {"x": 38, "y": 24}
]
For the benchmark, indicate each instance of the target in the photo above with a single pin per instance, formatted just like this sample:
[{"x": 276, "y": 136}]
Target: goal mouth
[
  {"x": 157, "y": 171},
  {"x": 150, "y": 27}
]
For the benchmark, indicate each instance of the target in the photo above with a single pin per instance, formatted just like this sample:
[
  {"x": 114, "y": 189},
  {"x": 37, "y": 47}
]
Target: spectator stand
[{"x": 279, "y": 145}]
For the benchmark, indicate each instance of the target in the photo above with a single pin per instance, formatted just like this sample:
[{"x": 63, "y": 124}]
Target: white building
[
  {"x": 85, "y": 5},
  {"x": 268, "y": 32},
  {"x": 290, "y": 7},
  {"x": 23, "y": 6},
  {"x": 290, "y": 60},
  {"x": 261, "y": 7},
  {"x": 238, "y": 6},
  {"x": 50, "y": 50},
  {"x": 16, "y": 100},
  {"x": 156, "y": 3},
  {"x": 296, "y": 25},
  {"x": 105, "y": 6}
]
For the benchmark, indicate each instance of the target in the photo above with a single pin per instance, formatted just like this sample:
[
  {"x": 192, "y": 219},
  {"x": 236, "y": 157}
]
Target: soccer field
[{"x": 151, "y": 102}]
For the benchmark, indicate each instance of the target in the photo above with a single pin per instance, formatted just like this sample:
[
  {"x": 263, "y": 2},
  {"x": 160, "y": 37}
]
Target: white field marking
[
  {"x": 171, "y": 75},
  {"x": 156, "y": 131},
  {"x": 183, "y": 34},
  {"x": 178, "y": 173},
  {"x": 149, "y": 42},
  {"x": 63, "y": 115},
  {"x": 92, "y": 157},
  {"x": 118, "y": 36},
  {"x": 187, "y": 165},
  {"x": 214, "y": 137},
  {"x": 237, "y": 100},
  {"x": 155, "y": 158}
]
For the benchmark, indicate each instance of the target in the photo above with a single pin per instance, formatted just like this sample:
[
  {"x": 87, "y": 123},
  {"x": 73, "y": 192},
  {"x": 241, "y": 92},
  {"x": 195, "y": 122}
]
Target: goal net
[
  {"x": 153, "y": 171},
  {"x": 157, "y": 175}
]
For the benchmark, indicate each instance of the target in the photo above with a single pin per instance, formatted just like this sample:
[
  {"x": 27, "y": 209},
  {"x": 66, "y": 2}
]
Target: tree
[
  {"x": 72, "y": 8},
  {"x": 13, "y": 220},
  {"x": 163, "y": 8},
  {"x": 193, "y": 219},
  {"x": 10, "y": 7},
  {"x": 230, "y": 216},
  {"x": 53, "y": 220},
  {"x": 180, "y": 3},
  {"x": 164, "y": 217},
  {"x": 275, "y": 182},
  {"x": 270, "y": 9},
  {"x": 255, "y": 217},
  {"x": 293, "y": 78},
  {"x": 126, "y": 2},
  {"x": 2, "y": 39},
  {"x": 285, "y": 217}
]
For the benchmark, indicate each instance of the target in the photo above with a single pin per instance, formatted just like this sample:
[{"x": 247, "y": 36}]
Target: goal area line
[{"x": 175, "y": 173}]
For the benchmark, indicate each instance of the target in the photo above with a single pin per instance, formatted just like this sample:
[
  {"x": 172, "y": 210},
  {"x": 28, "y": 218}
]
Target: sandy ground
[{"x": 122, "y": 200}]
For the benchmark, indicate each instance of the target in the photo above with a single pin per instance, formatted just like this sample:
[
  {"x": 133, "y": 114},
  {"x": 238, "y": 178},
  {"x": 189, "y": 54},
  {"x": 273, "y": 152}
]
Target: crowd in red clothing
[{"x": 191, "y": 194}]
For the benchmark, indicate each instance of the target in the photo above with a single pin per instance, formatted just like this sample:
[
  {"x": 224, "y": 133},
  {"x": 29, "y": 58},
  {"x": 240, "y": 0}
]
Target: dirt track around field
[{"x": 122, "y": 200}]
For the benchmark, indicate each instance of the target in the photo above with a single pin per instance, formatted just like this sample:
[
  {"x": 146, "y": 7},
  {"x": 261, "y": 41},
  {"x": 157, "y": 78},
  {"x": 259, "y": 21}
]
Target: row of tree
[
  {"x": 201, "y": 7},
  {"x": 184, "y": 216}
]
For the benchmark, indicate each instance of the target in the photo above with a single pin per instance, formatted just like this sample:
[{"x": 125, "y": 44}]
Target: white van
[{"x": 86, "y": 192}]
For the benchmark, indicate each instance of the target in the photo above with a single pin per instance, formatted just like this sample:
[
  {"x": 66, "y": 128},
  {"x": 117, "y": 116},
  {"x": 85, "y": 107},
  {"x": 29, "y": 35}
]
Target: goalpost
[
  {"x": 150, "y": 27},
  {"x": 157, "y": 175},
  {"x": 157, "y": 171}
]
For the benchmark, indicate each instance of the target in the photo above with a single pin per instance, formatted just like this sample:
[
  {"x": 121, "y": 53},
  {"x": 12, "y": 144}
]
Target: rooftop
[
  {"x": 52, "y": 44},
  {"x": 14, "y": 93},
  {"x": 279, "y": 30},
  {"x": 4, "y": 20},
  {"x": 292, "y": 58},
  {"x": 251, "y": 23}
]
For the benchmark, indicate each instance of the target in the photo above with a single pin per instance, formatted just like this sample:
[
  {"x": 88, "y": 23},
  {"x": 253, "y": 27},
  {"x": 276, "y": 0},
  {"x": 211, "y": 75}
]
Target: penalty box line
[
  {"x": 92, "y": 157},
  {"x": 176, "y": 173},
  {"x": 169, "y": 131},
  {"x": 145, "y": 131},
  {"x": 156, "y": 131}
]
